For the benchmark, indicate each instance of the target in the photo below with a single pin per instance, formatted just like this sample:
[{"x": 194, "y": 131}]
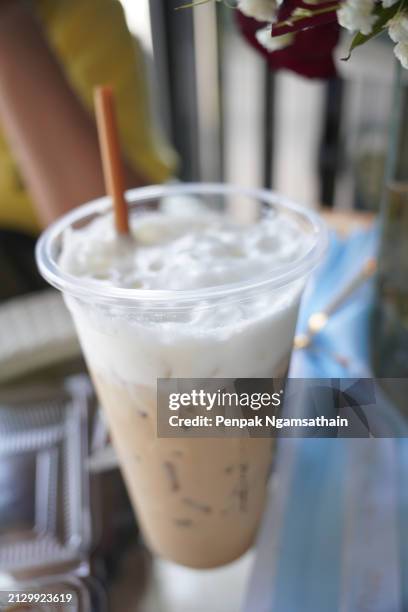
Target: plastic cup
[{"x": 198, "y": 500}]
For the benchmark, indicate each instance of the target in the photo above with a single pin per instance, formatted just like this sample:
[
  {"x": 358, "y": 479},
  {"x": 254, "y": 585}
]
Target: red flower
[{"x": 311, "y": 53}]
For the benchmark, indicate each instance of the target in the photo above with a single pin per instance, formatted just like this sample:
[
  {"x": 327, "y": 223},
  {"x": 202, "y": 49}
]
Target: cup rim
[{"x": 92, "y": 290}]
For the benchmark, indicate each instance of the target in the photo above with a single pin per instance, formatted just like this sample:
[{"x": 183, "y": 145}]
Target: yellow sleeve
[{"x": 92, "y": 41}]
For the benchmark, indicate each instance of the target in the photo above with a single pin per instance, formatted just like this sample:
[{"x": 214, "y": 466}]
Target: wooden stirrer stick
[{"x": 111, "y": 158}]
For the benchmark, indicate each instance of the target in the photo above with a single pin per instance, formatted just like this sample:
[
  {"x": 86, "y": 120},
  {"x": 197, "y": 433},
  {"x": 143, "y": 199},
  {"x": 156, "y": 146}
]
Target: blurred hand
[{"x": 52, "y": 136}]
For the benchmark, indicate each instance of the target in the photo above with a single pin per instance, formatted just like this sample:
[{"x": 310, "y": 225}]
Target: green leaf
[{"x": 384, "y": 15}]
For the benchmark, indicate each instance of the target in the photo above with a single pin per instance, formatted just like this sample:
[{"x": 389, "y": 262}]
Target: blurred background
[
  {"x": 231, "y": 119},
  {"x": 66, "y": 524}
]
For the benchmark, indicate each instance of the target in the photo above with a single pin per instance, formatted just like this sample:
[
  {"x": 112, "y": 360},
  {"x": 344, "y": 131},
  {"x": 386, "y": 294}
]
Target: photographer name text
[{"x": 256, "y": 421}]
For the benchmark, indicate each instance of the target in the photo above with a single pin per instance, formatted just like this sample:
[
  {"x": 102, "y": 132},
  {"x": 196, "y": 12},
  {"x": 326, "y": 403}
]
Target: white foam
[
  {"x": 185, "y": 251},
  {"x": 179, "y": 252}
]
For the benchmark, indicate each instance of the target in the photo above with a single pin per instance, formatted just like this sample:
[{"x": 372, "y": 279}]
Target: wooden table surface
[{"x": 344, "y": 222}]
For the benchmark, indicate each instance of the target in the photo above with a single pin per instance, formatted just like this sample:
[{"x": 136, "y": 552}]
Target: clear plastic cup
[{"x": 199, "y": 500}]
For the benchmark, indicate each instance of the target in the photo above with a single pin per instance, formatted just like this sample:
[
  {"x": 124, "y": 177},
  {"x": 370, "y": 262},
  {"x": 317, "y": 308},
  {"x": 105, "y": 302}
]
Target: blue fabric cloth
[
  {"x": 342, "y": 348},
  {"x": 335, "y": 532}
]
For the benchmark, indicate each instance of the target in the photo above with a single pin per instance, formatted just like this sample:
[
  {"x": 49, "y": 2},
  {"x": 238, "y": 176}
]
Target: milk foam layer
[
  {"x": 181, "y": 251},
  {"x": 184, "y": 251}
]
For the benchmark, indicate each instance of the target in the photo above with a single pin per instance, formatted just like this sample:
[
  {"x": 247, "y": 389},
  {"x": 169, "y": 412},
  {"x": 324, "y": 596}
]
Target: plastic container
[
  {"x": 198, "y": 501},
  {"x": 44, "y": 508}
]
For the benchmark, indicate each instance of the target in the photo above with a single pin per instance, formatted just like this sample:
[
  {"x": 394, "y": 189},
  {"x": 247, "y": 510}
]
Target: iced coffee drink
[{"x": 192, "y": 293}]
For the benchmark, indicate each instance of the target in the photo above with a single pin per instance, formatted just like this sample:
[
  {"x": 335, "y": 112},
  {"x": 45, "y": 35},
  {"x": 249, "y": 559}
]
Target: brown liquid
[{"x": 199, "y": 500}]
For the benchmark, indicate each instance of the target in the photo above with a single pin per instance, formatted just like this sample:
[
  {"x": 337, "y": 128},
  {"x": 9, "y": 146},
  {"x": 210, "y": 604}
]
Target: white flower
[
  {"x": 398, "y": 27},
  {"x": 357, "y": 15},
  {"x": 273, "y": 43},
  {"x": 401, "y": 53},
  {"x": 388, "y": 3},
  {"x": 262, "y": 10}
]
